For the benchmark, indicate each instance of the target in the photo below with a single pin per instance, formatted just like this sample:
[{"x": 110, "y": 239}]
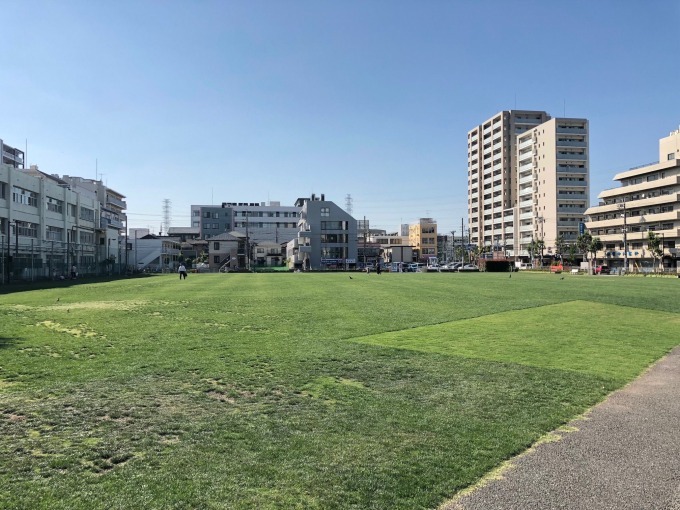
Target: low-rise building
[
  {"x": 46, "y": 227},
  {"x": 647, "y": 200},
  {"x": 327, "y": 236}
]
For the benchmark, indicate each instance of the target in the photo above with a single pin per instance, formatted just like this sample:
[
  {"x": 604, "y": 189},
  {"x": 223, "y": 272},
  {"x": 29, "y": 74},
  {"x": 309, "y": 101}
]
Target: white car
[{"x": 468, "y": 268}]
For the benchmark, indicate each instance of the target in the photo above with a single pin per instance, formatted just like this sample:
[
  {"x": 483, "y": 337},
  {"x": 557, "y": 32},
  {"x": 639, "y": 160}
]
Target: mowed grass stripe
[
  {"x": 242, "y": 391},
  {"x": 596, "y": 338}
]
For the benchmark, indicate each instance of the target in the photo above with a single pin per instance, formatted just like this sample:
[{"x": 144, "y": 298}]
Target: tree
[
  {"x": 583, "y": 244},
  {"x": 573, "y": 250},
  {"x": 560, "y": 246},
  {"x": 654, "y": 246},
  {"x": 595, "y": 246},
  {"x": 536, "y": 247}
]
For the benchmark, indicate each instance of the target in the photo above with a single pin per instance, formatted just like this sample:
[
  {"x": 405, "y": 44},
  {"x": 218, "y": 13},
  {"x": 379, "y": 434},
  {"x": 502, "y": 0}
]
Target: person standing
[
  {"x": 182, "y": 271},
  {"x": 74, "y": 272}
]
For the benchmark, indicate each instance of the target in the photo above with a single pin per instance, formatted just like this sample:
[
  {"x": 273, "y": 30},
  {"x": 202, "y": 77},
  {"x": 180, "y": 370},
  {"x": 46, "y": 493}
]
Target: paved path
[{"x": 625, "y": 456}]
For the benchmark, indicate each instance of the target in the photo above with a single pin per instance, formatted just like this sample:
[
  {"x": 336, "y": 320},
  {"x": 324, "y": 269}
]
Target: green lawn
[{"x": 311, "y": 391}]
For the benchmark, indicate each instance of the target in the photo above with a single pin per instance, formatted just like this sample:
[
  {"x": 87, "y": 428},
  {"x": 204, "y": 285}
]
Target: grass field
[{"x": 311, "y": 391}]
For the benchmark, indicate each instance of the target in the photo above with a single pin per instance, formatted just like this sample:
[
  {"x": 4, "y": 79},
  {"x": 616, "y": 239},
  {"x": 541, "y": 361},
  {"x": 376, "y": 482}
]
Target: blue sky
[{"x": 208, "y": 101}]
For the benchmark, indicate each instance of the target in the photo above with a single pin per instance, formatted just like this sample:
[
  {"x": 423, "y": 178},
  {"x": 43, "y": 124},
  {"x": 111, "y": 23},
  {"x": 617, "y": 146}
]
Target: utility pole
[
  {"x": 365, "y": 236},
  {"x": 625, "y": 238},
  {"x": 453, "y": 245}
]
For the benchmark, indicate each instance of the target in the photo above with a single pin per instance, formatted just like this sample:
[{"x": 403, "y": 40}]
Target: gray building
[
  {"x": 260, "y": 221},
  {"x": 11, "y": 156},
  {"x": 326, "y": 239}
]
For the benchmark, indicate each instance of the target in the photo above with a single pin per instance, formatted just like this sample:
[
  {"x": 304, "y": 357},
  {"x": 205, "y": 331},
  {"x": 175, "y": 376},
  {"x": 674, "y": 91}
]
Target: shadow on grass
[
  {"x": 7, "y": 342},
  {"x": 22, "y": 286}
]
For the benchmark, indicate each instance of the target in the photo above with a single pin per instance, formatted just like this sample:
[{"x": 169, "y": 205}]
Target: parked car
[
  {"x": 468, "y": 268},
  {"x": 414, "y": 268},
  {"x": 602, "y": 270}
]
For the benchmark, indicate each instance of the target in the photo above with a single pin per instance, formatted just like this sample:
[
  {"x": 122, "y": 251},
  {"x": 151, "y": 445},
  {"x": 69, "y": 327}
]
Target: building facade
[
  {"x": 423, "y": 237},
  {"x": 527, "y": 181},
  {"x": 45, "y": 226},
  {"x": 11, "y": 156},
  {"x": 646, "y": 200},
  {"x": 260, "y": 221},
  {"x": 552, "y": 187},
  {"x": 327, "y": 236}
]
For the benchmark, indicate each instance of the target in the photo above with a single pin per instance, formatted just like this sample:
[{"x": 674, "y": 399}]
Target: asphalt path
[{"x": 624, "y": 455}]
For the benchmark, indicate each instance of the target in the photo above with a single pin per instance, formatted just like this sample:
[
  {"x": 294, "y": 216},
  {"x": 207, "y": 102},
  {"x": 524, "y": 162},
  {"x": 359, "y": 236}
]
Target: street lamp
[{"x": 622, "y": 206}]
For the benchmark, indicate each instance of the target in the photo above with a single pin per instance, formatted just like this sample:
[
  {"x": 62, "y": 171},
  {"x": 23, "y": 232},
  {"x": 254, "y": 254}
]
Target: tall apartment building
[
  {"x": 261, "y": 221},
  {"x": 423, "y": 237},
  {"x": 552, "y": 185},
  {"x": 648, "y": 199},
  {"x": 522, "y": 165}
]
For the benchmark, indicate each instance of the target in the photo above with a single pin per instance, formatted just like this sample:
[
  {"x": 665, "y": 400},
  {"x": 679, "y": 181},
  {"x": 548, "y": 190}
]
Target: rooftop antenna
[{"x": 564, "y": 106}]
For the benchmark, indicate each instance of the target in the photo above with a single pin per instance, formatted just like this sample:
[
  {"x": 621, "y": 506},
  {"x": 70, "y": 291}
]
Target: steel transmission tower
[
  {"x": 348, "y": 204},
  {"x": 167, "y": 210}
]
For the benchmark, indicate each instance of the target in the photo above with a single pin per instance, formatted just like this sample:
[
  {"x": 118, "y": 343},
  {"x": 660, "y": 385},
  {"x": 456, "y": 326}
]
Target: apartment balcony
[
  {"x": 571, "y": 170},
  {"x": 525, "y": 203},
  {"x": 526, "y": 180},
  {"x": 526, "y": 228},
  {"x": 673, "y": 180},
  {"x": 571, "y": 210},
  {"x": 526, "y": 216},
  {"x": 526, "y": 143},
  {"x": 116, "y": 202},
  {"x": 571, "y": 184},
  {"x": 578, "y": 157},
  {"x": 568, "y": 196},
  {"x": 305, "y": 231},
  {"x": 571, "y": 143},
  {"x": 565, "y": 130},
  {"x": 110, "y": 223},
  {"x": 526, "y": 166},
  {"x": 305, "y": 248},
  {"x": 509, "y": 230}
]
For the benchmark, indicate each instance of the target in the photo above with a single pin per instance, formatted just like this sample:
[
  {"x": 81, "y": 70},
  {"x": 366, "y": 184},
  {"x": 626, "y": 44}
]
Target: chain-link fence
[{"x": 33, "y": 261}]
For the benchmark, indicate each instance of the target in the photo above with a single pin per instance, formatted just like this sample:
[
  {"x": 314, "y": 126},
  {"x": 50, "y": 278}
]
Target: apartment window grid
[
  {"x": 24, "y": 196},
  {"x": 325, "y": 211},
  {"x": 3, "y": 190}
]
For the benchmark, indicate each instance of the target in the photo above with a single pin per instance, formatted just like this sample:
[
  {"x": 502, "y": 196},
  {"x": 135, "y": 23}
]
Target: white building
[{"x": 646, "y": 200}]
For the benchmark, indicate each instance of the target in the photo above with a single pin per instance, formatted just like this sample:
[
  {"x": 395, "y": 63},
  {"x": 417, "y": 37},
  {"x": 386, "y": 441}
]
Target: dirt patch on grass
[{"x": 81, "y": 331}]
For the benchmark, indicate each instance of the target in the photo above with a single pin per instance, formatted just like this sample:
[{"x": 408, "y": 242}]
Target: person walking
[{"x": 182, "y": 271}]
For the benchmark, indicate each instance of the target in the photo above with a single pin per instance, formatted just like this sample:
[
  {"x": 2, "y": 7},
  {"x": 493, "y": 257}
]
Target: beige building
[
  {"x": 552, "y": 186},
  {"x": 648, "y": 199},
  {"x": 527, "y": 180},
  {"x": 422, "y": 236}
]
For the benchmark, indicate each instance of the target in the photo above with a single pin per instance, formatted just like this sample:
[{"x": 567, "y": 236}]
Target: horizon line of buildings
[{"x": 527, "y": 176}]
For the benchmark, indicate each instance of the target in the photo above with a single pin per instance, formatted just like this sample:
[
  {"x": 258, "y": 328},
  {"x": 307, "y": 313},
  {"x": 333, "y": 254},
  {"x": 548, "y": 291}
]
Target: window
[
  {"x": 215, "y": 215},
  {"x": 54, "y": 233},
  {"x": 86, "y": 214},
  {"x": 3, "y": 189},
  {"x": 54, "y": 205},
  {"x": 216, "y": 259},
  {"x": 72, "y": 210},
  {"x": 206, "y": 214},
  {"x": 26, "y": 229},
  {"x": 195, "y": 212},
  {"x": 671, "y": 156},
  {"x": 86, "y": 237},
  {"x": 216, "y": 245},
  {"x": 23, "y": 196}
]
